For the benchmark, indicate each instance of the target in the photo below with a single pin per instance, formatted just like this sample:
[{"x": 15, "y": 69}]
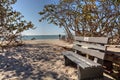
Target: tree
[
  {"x": 55, "y": 15},
  {"x": 86, "y": 17},
  {"x": 11, "y": 24},
  {"x": 102, "y": 17}
]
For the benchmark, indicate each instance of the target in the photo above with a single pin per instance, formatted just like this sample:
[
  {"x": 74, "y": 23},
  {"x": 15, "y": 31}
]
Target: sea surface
[{"x": 36, "y": 37}]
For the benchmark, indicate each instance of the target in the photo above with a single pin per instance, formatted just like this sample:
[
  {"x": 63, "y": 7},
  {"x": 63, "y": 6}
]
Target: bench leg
[
  {"x": 67, "y": 61},
  {"x": 109, "y": 65},
  {"x": 119, "y": 74},
  {"x": 90, "y": 73}
]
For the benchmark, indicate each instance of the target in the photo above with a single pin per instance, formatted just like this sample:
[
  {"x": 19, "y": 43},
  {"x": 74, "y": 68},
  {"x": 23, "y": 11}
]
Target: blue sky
[{"x": 30, "y": 9}]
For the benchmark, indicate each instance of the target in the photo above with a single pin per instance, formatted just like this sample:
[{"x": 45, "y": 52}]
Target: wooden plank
[
  {"x": 74, "y": 59},
  {"x": 94, "y": 53},
  {"x": 88, "y": 61},
  {"x": 90, "y": 73},
  {"x": 115, "y": 46},
  {"x": 89, "y": 45},
  {"x": 102, "y": 40},
  {"x": 81, "y": 58}
]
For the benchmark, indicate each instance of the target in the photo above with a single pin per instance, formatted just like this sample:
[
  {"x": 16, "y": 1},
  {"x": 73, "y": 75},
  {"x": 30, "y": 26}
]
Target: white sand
[
  {"x": 37, "y": 60},
  {"x": 50, "y": 41}
]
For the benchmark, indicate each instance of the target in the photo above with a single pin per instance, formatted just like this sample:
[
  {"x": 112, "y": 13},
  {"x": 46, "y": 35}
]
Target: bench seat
[
  {"x": 80, "y": 59},
  {"x": 86, "y": 68}
]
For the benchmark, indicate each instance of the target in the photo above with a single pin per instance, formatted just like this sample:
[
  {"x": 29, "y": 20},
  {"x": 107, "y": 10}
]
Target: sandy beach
[
  {"x": 56, "y": 42},
  {"x": 37, "y": 60}
]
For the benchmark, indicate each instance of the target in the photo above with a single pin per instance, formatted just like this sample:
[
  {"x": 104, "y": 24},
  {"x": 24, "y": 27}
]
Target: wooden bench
[{"x": 89, "y": 53}]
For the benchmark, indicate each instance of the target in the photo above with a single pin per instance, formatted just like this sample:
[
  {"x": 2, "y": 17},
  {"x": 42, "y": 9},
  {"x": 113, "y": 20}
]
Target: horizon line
[{"x": 41, "y": 34}]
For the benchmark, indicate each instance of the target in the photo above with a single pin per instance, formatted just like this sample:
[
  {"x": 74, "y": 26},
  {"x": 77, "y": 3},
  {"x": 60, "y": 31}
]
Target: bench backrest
[{"x": 93, "y": 46}]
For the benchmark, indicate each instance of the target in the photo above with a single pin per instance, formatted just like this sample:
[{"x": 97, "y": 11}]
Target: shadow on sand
[
  {"x": 24, "y": 60},
  {"x": 18, "y": 60}
]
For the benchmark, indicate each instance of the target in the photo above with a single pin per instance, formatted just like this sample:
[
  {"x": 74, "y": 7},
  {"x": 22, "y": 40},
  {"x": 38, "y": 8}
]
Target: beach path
[{"x": 37, "y": 60}]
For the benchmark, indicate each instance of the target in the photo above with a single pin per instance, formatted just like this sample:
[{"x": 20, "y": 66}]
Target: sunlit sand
[{"x": 37, "y": 59}]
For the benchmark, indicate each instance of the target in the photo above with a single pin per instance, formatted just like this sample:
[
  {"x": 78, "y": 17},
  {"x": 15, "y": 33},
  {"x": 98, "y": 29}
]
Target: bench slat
[
  {"x": 74, "y": 59},
  {"x": 94, "y": 46},
  {"x": 88, "y": 61},
  {"x": 94, "y": 53},
  {"x": 102, "y": 40},
  {"x": 80, "y": 60}
]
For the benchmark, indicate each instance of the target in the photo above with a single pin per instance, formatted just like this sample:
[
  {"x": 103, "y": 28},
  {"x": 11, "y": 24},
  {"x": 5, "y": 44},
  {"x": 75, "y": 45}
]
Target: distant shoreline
[{"x": 39, "y": 37}]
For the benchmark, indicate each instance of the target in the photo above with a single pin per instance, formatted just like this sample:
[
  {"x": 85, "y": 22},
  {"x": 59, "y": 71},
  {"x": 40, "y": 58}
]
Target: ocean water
[{"x": 36, "y": 37}]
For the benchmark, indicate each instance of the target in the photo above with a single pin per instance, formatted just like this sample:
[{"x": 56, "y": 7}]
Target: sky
[{"x": 30, "y": 10}]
